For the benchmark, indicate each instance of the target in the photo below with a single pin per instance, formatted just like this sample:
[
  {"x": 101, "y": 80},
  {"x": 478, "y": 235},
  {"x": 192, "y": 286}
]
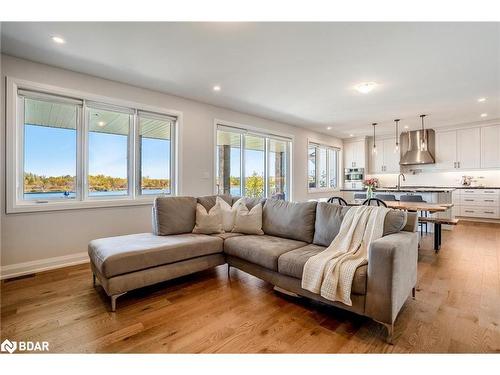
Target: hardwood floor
[{"x": 457, "y": 309}]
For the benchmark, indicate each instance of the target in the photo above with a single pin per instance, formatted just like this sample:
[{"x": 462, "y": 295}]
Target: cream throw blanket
[{"x": 330, "y": 273}]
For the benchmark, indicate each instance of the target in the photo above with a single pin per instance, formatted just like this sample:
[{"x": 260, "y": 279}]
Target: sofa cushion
[
  {"x": 174, "y": 215},
  {"x": 329, "y": 217},
  {"x": 395, "y": 221},
  {"x": 250, "y": 202},
  {"x": 262, "y": 250},
  {"x": 114, "y": 256},
  {"x": 208, "y": 201},
  {"x": 294, "y": 220},
  {"x": 292, "y": 264}
]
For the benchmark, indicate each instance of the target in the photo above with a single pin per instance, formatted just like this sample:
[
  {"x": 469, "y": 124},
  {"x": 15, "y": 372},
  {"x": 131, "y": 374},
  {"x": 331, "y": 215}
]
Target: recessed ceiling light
[
  {"x": 216, "y": 88},
  {"x": 406, "y": 126},
  {"x": 58, "y": 40},
  {"x": 484, "y": 115},
  {"x": 365, "y": 87},
  {"x": 480, "y": 100},
  {"x": 351, "y": 135},
  {"x": 328, "y": 128},
  {"x": 101, "y": 123}
]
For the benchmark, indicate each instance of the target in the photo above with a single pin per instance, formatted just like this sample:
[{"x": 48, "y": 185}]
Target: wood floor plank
[{"x": 457, "y": 309}]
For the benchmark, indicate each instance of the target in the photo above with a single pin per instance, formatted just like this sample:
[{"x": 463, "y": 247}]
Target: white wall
[{"x": 34, "y": 237}]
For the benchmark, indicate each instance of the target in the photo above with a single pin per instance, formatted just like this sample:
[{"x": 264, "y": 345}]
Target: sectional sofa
[{"x": 293, "y": 233}]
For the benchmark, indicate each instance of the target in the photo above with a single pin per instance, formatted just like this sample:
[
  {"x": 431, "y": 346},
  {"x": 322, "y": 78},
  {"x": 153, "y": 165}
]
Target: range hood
[{"x": 411, "y": 152}]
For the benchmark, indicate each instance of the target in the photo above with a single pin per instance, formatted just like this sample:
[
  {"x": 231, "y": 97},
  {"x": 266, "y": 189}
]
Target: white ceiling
[{"x": 299, "y": 73}]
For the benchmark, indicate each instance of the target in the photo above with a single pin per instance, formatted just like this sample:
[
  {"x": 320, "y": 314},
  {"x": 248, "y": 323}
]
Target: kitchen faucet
[{"x": 399, "y": 179}]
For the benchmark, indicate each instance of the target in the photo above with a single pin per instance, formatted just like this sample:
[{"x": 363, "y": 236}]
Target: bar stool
[{"x": 416, "y": 198}]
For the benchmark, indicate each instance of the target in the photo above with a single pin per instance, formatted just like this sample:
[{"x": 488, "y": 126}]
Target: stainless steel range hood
[{"x": 411, "y": 152}]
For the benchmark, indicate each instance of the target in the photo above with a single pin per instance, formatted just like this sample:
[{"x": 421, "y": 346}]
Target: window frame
[
  {"x": 15, "y": 149},
  {"x": 258, "y": 132},
  {"x": 327, "y": 147}
]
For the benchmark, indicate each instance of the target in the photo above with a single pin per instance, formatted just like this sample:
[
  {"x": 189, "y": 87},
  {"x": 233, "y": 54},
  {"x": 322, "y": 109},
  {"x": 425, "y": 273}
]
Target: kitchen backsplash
[{"x": 483, "y": 178}]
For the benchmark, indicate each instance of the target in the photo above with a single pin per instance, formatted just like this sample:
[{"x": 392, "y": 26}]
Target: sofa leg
[
  {"x": 390, "y": 333},
  {"x": 114, "y": 297},
  {"x": 228, "y": 272},
  {"x": 94, "y": 283},
  {"x": 413, "y": 292}
]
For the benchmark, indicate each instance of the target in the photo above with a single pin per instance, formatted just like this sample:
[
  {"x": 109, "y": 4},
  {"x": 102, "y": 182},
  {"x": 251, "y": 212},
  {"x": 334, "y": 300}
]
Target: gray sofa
[{"x": 293, "y": 233}]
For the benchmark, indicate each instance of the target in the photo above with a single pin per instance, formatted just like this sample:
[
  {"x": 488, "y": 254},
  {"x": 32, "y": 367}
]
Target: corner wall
[{"x": 33, "y": 241}]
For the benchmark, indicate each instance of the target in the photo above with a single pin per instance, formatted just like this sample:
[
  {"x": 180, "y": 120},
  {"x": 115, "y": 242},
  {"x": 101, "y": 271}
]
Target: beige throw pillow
[
  {"x": 248, "y": 222},
  {"x": 228, "y": 213},
  {"x": 208, "y": 222}
]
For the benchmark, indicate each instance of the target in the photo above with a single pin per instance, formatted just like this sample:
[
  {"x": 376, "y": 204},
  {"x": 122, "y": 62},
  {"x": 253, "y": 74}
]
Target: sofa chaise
[{"x": 293, "y": 232}]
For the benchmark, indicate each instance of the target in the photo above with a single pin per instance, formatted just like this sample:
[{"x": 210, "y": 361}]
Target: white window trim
[
  {"x": 327, "y": 146},
  {"x": 249, "y": 129},
  {"x": 14, "y": 147}
]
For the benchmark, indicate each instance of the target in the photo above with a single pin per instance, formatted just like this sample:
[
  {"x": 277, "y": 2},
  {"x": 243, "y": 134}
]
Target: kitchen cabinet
[
  {"x": 490, "y": 149},
  {"x": 446, "y": 149},
  {"x": 458, "y": 149},
  {"x": 469, "y": 148},
  {"x": 355, "y": 154},
  {"x": 478, "y": 203},
  {"x": 386, "y": 160}
]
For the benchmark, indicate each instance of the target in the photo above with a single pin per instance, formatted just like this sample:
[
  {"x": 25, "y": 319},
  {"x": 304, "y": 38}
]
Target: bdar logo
[{"x": 8, "y": 346}]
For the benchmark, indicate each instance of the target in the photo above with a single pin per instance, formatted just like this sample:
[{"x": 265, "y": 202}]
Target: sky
[{"x": 52, "y": 152}]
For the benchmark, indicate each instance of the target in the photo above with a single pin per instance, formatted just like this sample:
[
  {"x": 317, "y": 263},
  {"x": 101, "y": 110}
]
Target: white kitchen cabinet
[
  {"x": 446, "y": 149},
  {"x": 490, "y": 146},
  {"x": 469, "y": 148},
  {"x": 391, "y": 157},
  {"x": 355, "y": 154},
  {"x": 385, "y": 160},
  {"x": 458, "y": 149}
]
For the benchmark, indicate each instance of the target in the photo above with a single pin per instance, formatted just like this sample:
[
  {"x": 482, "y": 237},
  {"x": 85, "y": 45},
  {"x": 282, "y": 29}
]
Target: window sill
[
  {"x": 322, "y": 190},
  {"x": 21, "y": 207}
]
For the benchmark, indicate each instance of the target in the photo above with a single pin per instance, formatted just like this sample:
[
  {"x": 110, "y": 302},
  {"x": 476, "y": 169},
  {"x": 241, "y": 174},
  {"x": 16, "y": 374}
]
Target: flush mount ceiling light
[
  {"x": 216, "y": 88},
  {"x": 480, "y": 100},
  {"x": 365, "y": 87},
  {"x": 101, "y": 123},
  {"x": 484, "y": 115},
  {"x": 58, "y": 40}
]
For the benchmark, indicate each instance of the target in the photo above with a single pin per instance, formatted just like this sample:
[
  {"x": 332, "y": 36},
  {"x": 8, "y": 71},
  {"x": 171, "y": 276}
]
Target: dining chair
[
  {"x": 374, "y": 202},
  {"x": 338, "y": 200}
]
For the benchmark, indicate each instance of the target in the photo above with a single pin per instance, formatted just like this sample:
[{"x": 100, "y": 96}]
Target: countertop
[{"x": 423, "y": 189}]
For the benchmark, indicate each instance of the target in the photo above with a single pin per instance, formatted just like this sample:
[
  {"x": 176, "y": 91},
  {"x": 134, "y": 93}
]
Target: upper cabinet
[
  {"x": 458, "y": 149},
  {"x": 355, "y": 154},
  {"x": 386, "y": 159},
  {"x": 490, "y": 146}
]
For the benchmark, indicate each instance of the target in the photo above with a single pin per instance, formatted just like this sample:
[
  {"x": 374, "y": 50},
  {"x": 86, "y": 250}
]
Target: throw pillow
[
  {"x": 208, "y": 222},
  {"x": 228, "y": 213},
  {"x": 248, "y": 222}
]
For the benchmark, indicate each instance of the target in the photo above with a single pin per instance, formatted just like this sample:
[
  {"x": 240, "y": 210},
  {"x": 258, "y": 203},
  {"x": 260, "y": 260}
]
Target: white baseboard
[{"x": 20, "y": 269}]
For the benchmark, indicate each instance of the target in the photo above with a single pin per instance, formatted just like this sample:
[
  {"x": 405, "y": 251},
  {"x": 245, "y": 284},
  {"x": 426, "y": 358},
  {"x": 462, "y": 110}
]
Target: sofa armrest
[{"x": 392, "y": 274}]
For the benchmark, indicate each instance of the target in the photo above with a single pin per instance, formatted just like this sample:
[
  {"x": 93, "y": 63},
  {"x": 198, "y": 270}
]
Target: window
[
  {"x": 71, "y": 153},
  {"x": 155, "y": 134},
  {"x": 322, "y": 167},
  {"x": 261, "y": 161},
  {"x": 108, "y": 140},
  {"x": 49, "y": 144}
]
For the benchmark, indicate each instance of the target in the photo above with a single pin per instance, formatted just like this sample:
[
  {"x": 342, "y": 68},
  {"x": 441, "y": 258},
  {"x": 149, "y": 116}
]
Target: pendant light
[
  {"x": 423, "y": 142},
  {"x": 396, "y": 148},
  {"x": 374, "y": 144}
]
